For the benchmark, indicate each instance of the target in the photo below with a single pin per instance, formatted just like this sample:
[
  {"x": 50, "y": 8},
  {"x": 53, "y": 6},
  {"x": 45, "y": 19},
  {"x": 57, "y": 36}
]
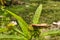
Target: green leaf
[
  {"x": 17, "y": 30},
  {"x": 3, "y": 29},
  {"x": 11, "y": 36},
  {"x": 52, "y": 33},
  {"x": 37, "y": 14},
  {"x": 22, "y": 23}
]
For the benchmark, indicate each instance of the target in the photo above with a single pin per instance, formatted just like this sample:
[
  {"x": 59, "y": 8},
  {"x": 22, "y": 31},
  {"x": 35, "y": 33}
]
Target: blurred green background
[{"x": 50, "y": 13}]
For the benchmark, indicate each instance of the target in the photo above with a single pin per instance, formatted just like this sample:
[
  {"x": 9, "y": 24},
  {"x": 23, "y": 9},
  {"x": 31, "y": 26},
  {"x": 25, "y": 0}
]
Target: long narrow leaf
[
  {"x": 22, "y": 23},
  {"x": 11, "y": 36},
  {"x": 52, "y": 33},
  {"x": 37, "y": 14},
  {"x": 17, "y": 30}
]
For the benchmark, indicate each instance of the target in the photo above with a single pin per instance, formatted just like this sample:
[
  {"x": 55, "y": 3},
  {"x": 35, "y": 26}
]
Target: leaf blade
[
  {"x": 12, "y": 37},
  {"x": 37, "y": 14},
  {"x": 22, "y": 23}
]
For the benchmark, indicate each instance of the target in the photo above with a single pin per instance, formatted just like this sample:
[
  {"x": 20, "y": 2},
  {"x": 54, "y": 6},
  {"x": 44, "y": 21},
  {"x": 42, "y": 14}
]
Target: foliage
[
  {"x": 50, "y": 13},
  {"x": 23, "y": 25},
  {"x": 37, "y": 15}
]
